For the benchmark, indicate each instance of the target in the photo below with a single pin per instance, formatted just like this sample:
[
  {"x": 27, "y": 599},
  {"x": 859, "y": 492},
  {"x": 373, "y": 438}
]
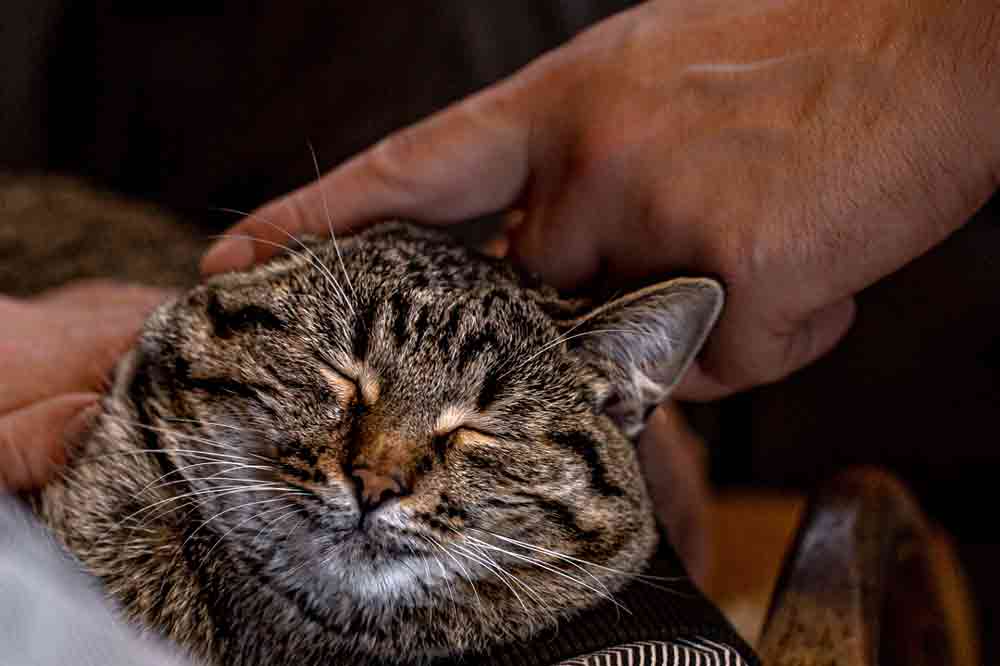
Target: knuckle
[
  {"x": 387, "y": 162},
  {"x": 298, "y": 217}
]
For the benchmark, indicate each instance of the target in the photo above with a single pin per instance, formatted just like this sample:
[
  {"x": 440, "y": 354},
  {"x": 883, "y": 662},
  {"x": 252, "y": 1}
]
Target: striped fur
[{"x": 382, "y": 450}]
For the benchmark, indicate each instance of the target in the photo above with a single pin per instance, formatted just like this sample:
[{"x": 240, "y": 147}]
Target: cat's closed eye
[{"x": 433, "y": 461}]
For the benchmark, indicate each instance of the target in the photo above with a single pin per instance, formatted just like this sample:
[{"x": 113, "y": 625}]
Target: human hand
[
  {"x": 55, "y": 353},
  {"x": 799, "y": 150}
]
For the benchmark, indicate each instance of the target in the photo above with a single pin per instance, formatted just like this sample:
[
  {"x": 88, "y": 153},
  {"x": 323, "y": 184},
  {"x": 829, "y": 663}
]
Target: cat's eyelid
[
  {"x": 357, "y": 373},
  {"x": 454, "y": 418}
]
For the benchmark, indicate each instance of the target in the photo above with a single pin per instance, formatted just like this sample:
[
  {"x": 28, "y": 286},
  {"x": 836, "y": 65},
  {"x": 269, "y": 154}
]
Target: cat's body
[{"x": 389, "y": 450}]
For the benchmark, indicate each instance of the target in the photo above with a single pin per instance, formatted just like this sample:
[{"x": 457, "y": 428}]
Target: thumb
[
  {"x": 736, "y": 358},
  {"x": 33, "y": 439},
  {"x": 468, "y": 160}
]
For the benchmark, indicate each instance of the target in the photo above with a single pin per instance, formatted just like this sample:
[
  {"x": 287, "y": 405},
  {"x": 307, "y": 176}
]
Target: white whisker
[
  {"x": 329, "y": 222},
  {"x": 558, "y": 341}
]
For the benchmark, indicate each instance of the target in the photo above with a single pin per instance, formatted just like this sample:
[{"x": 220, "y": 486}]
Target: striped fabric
[{"x": 684, "y": 652}]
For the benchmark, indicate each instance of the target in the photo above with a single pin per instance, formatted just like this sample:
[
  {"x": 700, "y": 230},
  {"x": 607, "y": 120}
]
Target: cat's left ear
[{"x": 644, "y": 342}]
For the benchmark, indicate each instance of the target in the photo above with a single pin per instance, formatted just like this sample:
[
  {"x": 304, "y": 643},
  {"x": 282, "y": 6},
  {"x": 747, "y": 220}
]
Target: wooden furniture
[{"x": 868, "y": 582}]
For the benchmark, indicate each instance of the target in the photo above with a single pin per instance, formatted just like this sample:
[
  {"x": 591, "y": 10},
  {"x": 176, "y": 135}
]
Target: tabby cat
[{"x": 389, "y": 449}]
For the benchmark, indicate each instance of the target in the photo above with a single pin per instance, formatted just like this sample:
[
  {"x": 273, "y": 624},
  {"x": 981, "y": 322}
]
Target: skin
[
  {"x": 57, "y": 350},
  {"x": 798, "y": 149}
]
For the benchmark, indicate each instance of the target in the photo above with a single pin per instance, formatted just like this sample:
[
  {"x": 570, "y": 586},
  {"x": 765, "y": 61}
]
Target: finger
[
  {"x": 738, "y": 357},
  {"x": 572, "y": 219},
  {"x": 554, "y": 243},
  {"x": 33, "y": 440},
  {"x": 468, "y": 160},
  {"x": 93, "y": 293},
  {"x": 78, "y": 353}
]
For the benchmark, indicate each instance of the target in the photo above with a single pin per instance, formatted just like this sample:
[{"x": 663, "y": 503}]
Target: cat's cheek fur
[{"x": 165, "y": 503}]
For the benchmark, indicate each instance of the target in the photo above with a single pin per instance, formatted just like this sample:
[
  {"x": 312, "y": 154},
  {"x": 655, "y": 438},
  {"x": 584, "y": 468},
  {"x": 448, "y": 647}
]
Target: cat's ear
[{"x": 644, "y": 342}]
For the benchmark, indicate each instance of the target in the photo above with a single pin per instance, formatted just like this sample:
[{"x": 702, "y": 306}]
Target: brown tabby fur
[{"x": 225, "y": 494}]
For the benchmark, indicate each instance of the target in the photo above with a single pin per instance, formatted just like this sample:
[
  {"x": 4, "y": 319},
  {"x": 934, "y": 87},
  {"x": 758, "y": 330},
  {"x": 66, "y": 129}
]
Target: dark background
[{"x": 216, "y": 109}]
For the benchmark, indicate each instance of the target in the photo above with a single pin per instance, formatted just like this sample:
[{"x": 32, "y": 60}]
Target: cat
[{"x": 387, "y": 449}]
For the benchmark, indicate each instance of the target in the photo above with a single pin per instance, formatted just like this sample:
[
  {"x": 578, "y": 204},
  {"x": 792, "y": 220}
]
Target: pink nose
[{"x": 374, "y": 488}]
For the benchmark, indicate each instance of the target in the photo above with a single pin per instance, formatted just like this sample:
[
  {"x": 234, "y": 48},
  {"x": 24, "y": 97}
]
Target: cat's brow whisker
[
  {"x": 318, "y": 262},
  {"x": 329, "y": 220},
  {"x": 310, "y": 258},
  {"x": 559, "y": 341},
  {"x": 562, "y": 337}
]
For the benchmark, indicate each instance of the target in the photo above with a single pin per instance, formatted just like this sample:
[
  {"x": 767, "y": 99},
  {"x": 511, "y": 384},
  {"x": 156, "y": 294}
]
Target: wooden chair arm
[{"x": 868, "y": 582}]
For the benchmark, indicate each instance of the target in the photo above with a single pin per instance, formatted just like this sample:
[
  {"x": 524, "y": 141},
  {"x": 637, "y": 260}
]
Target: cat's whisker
[
  {"x": 247, "y": 520},
  {"x": 562, "y": 337},
  {"x": 187, "y": 436},
  {"x": 573, "y": 564},
  {"x": 648, "y": 580},
  {"x": 215, "y": 424},
  {"x": 216, "y": 477},
  {"x": 288, "y": 535},
  {"x": 562, "y": 574},
  {"x": 570, "y": 558},
  {"x": 310, "y": 258},
  {"x": 218, "y": 492},
  {"x": 463, "y": 570},
  {"x": 271, "y": 524},
  {"x": 196, "y": 455},
  {"x": 559, "y": 341},
  {"x": 194, "y": 503},
  {"x": 329, "y": 221},
  {"x": 503, "y": 574},
  {"x": 318, "y": 262},
  {"x": 179, "y": 470},
  {"x": 498, "y": 571},
  {"x": 224, "y": 512}
]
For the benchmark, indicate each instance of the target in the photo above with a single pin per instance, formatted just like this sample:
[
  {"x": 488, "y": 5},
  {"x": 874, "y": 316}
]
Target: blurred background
[{"x": 216, "y": 108}]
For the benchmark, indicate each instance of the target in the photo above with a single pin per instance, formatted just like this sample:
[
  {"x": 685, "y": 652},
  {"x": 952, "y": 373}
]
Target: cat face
[{"x": 399, "y": 425}]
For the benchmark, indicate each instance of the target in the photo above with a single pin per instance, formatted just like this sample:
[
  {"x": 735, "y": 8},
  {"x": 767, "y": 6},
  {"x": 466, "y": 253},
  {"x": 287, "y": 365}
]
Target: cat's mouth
[{"x": 384, "y": 570}]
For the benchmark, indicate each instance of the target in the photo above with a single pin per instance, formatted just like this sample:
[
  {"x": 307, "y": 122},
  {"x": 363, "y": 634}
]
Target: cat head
[{"x": 398, "y": 425}]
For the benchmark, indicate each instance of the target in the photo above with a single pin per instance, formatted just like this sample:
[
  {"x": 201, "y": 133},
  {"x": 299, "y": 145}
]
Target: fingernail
[
  {"x": 227, "y": 255},
  {"x": 77, "y": 430}
]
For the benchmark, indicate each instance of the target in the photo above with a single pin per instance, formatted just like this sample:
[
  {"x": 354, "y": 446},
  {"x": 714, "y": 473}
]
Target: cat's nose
[{"x": 375, "y": 487}]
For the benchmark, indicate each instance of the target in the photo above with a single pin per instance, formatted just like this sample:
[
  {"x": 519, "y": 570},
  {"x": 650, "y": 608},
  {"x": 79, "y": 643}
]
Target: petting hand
[
  {"x": 798, "y": 149},
  {"x": 55, "y": 354}
]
